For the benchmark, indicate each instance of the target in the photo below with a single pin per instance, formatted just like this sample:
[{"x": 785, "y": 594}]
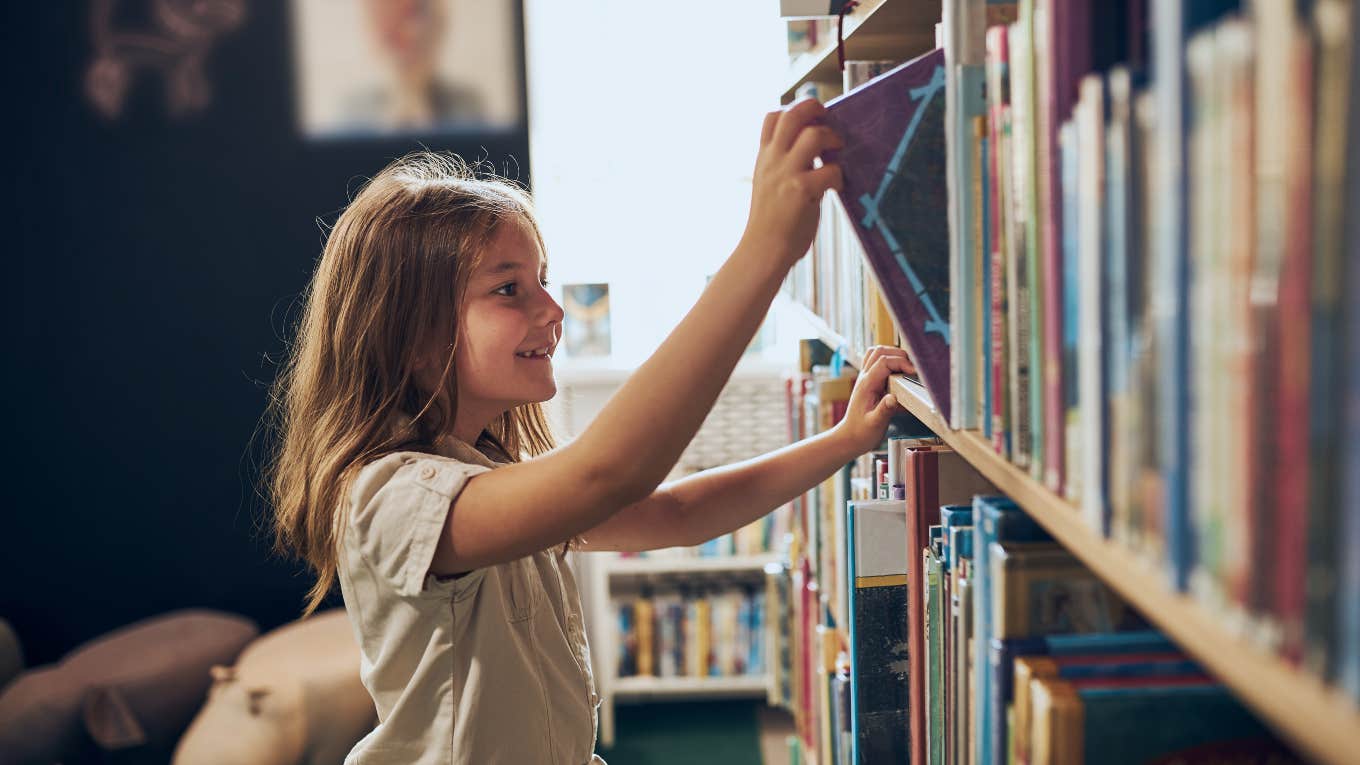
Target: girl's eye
[
  {"x": 507, "y": 290},
  {"x": 544, "y": 281}
]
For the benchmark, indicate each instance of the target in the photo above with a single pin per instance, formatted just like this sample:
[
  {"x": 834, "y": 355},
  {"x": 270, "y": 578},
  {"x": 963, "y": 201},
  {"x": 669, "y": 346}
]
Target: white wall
[{"x": 644, "y": 123}]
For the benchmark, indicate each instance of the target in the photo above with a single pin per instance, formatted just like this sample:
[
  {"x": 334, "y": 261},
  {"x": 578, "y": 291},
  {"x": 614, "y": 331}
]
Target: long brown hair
[{"x": 391, "y": 276}]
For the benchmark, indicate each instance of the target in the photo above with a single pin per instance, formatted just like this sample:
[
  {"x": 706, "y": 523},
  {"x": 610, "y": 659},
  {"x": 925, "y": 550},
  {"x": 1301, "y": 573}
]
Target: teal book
[
  {"x": 995, "y": 519},
  {"x": 877, "y": 573},
  {"x": 1137, "y": 720},
  {"x": 932, "y": 591}
]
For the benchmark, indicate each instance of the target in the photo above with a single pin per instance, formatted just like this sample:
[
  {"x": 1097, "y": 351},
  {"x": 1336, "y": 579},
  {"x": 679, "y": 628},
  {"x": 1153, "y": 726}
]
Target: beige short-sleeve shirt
[{"x": 489, "y": 667}]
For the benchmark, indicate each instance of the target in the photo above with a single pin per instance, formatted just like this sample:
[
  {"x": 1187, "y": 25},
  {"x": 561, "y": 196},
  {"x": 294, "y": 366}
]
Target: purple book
[{"x": 894, "y": 169}]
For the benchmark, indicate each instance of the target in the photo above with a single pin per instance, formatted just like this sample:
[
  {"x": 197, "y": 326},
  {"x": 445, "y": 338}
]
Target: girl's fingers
[
  {"x": 823, "y": 179},
  {"x": 767, "y": 128},
  {"x": 811, "y": 143},
  {"x": 793, "y": 119}
]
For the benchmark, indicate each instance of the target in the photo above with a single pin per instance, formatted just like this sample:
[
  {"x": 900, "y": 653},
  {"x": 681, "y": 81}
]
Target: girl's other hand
[
  {"x": 787, "y": 189},
  {"x": 872, "y": 405}
]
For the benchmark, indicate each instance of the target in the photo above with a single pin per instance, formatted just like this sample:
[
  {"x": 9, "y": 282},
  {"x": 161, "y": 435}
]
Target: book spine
[
  {"x": 1116, "y": 284},
  {"x": 1017, "y": 257},
  {"x": 1070, "y": 405},
  {"x": 932, "y": 590},
  {"x": 1295, "y": 317},
  {"x": 1169, "y": 298},
  {"x": 1348, "y": 598},
  {"x": 998, "y": 188},
  {"x": 1034, "y": 26},
  {"x": 1049, "y": 47},
  {"x": 1086, "y": 467},
  {"x": 1326, "y": 397},
  {"x": 982, "y": 262}
]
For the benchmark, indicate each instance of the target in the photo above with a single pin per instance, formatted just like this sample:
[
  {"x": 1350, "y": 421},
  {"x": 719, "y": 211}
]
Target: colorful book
[
  {"x": 939, "y": 477},
  {"x": 932, "y": 595},
  {"x": 878, "y": 640},
  {"x": 1096, "y": 666},
  {"x": 1070, "y": 291},
  {"x": 1334, "y": 37},
  {"x": 894, "y": 193},
  {"x": 1017, "y": 269},
  {"x": 1087, "y": 463},
  {"x": 996, "y": 519},
  {"x": 1135, "y": 720},
  {"x": 1348, "y": 596},
  {"x": 1041, "y": 589}
]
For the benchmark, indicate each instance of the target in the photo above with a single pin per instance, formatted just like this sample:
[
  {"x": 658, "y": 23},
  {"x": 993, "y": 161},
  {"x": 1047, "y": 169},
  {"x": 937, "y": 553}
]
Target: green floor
[{"x": 719, "y": 732}]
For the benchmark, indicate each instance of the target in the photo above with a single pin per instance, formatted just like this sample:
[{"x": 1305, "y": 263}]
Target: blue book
[
  {"x": 1071, "y": 298},
  {"x": 1172, "y": 22},
  {"x": 876, "y": 562},
  {"x": 985, "y": 268},
  {"x": 1119, "y": 303},
  {"x": 995, "y": 519},
  {"x": 1348, "y": 597}
]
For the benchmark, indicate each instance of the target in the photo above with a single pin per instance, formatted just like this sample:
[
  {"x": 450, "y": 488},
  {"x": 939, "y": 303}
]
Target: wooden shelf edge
[
  {"x": 898, "y": 29},
  {"x": 1319, "y": 720},
  {"x": 802, "y": 65},
  {"x": 635, "y": 687},
  {"x": 826, "y": 334}
]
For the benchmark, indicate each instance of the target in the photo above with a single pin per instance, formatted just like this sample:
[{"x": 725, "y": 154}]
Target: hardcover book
[{"x": 893, "y": 166}]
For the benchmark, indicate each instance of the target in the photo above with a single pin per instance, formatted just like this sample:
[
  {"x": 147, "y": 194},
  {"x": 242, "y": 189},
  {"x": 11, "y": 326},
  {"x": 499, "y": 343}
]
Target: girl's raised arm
[{"x": 636, "y": 439}]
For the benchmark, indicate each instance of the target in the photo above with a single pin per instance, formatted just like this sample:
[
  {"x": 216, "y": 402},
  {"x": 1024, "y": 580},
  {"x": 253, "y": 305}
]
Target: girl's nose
[{"x": 551, "y": 312}]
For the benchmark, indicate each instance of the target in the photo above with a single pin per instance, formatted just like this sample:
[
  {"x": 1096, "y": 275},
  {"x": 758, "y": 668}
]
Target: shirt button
[{"x": 427, "y": 472}]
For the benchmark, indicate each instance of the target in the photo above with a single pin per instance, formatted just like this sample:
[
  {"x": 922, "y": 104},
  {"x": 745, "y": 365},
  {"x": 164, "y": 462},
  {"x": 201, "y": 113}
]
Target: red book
[
  {"x": 1292, "y": 458},
  {"x": 936, "y": 476},
  {"x": 997, "y": 60}
]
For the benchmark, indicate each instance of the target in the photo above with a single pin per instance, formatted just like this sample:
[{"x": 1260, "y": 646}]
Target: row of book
[
  {"x": 1141, "y": 235},
  {"x": 911, "y": 595},
  {"x": 692, "y": 633},
  {"x": 1149, "y": 289}
]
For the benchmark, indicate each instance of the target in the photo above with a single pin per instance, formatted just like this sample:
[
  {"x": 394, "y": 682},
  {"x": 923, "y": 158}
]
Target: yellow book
[
  {"x": 643, "y": 612},
  {"x": 1058, "y": 722}
]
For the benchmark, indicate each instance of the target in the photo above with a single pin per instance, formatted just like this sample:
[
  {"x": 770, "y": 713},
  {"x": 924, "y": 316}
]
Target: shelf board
[
  {"x": 827, "y": 335},
  {"x": 715, "y": 564},
  {"x": 681, "y": 688},
  {"x": 1319, "y": 720},
  {"x": 877, "y": 29}
]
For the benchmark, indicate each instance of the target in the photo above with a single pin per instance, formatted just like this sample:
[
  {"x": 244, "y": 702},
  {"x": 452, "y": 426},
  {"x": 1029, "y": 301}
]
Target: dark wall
[{"x": 159, "y": 261}]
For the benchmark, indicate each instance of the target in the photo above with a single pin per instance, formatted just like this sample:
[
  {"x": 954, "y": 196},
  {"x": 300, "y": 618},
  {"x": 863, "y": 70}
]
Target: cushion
[
  {"x": 137, "y": 686},
  {"x": 293, "y": 696}
]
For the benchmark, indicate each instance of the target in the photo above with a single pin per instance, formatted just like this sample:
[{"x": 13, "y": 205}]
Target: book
[
  {"x": 1088, "y": 462},
  {"x": 957, "y": 526},
  {"x": 1041, "y": 589},
  {"x": 1123, "y": 721},
  {"x": 1348, "y": 596},
  {"x": 995, "y": 519},
  {"x": 939, "y": 477},
  {"x": 1081, "y": 667},
  {"x": 1069, "y": 289},
  {"x": 932, "y": 594},
  {"x": 878, "y": 641},
  {"x": 1331, "y": 26},
  {"x": 894, "y": 195},
  {"x": 999, "y": 195}
]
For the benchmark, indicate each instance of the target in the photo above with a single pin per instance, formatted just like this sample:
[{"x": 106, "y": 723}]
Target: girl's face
[{"x": 510, "y": 329}]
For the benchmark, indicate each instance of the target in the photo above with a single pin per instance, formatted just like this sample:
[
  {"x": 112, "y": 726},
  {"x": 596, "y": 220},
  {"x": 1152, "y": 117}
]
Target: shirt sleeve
[{"x": 398, "y": 507}]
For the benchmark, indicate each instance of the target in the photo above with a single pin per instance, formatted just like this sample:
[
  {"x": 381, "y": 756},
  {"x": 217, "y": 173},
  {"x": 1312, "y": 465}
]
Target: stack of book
[
  {"x": 696, "y": 633},
  {"x": 1153, "y": 217}
]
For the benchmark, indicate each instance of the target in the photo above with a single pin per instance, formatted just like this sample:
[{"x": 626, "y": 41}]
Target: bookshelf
[
  {"x": 877, "y": 29},
  {"x": 1315, "y": 718}
]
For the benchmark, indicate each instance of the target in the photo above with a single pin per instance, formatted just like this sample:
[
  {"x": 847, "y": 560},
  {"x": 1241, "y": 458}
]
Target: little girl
[{"x": 415, "y": 466}]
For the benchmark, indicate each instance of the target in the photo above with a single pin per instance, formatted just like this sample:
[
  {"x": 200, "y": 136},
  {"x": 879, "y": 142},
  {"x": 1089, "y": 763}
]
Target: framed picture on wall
[
  {"x": 585, "y": 327},
  {"x": 374, "y": 67}
]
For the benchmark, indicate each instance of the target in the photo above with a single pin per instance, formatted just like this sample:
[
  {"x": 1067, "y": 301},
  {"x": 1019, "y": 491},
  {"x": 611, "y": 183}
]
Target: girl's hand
[
  {"x": 786, "y": 189},
  {"x": 871, "y": 404}
]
